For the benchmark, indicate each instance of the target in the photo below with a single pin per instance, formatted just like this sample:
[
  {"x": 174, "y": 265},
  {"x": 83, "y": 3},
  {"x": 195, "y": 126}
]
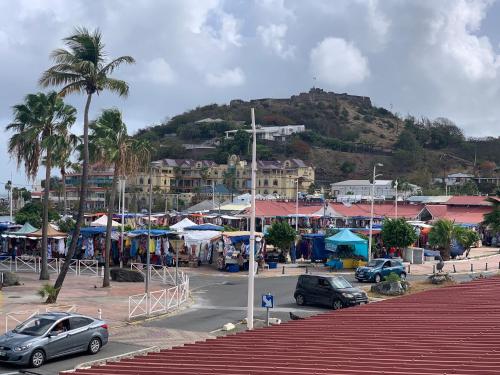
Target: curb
[{"x": 99, "y": 362}]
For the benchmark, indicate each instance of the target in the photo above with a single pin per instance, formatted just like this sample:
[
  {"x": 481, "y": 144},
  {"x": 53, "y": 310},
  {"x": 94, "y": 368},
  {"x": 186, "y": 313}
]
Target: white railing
[
  {"x": 17, "y": 318},
  {"x": 63, "y": 308},
  {"x": 88, "y": 267},
  {"x": 159, "y": 301},
  {"x": 6, "y": 264},
  {"x": 156, "y": 273},
  {"x": 25, "y": 264},
  {"x": 52, "y": 265}
]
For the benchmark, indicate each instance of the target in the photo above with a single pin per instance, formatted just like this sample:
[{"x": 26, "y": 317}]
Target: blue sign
[{"x": 267, "y": 301}]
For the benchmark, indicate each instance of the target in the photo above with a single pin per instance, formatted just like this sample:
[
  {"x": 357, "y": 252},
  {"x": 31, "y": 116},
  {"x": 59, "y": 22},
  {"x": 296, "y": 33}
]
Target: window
[
  {"x": 266, "y": 192},
  {"x": 79, "y": 322},
  {"x": 141, "y": 181},
  {"x": 323, "y": 283},
  {"x": 275, "y": 183},
  {"x": 266, "y": 182}
]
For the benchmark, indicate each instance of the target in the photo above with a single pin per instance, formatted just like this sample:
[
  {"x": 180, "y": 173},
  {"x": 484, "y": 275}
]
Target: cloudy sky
[{"x": 421, "y": 57}]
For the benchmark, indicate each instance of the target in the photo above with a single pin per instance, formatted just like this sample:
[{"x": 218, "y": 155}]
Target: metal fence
[
  {"x": 164, "y": 274},
  {"x": 160, "y": 301}
]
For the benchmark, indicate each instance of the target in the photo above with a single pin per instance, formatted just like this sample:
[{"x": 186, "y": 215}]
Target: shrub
[
  {"x": 392, "y": 277},
  {"x": 48, "y": 291}
]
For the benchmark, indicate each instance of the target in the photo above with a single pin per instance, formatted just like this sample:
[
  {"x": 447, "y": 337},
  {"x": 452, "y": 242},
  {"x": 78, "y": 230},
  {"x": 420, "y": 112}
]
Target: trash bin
[{"x": 272, "y": 265}]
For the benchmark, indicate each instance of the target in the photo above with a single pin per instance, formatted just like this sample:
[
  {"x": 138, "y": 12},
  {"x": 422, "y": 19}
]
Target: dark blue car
[{"x": 377, "y": 269}]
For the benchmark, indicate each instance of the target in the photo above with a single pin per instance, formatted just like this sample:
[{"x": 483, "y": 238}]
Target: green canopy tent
[
  {"x": 346, "y": 237},
  {"x": 21, "y": 233}
]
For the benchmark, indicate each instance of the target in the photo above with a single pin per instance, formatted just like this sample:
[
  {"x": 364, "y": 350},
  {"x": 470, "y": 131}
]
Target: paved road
[{"x": 68, "y": 363}]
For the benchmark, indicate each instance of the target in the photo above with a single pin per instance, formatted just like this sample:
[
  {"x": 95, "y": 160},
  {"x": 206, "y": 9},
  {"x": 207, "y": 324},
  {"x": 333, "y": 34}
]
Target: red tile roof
[
  {"x": 273, "y": 208},
  {"x": 409, "y": 211},
  {"x": 461, "y": 215},
  {"x": 451, "y": 330},
  {"x": 468, "y": 200}
]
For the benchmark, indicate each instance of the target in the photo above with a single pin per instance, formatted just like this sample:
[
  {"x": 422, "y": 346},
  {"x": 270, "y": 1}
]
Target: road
[{"x": 216, "y": 300}]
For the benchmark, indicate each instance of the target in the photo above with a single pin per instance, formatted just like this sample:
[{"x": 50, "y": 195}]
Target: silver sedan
[{"x": 52, "y": 335}]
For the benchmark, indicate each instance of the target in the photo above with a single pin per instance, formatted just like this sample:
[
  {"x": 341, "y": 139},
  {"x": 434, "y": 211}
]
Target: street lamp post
[
  {"x": 250, "y": 300},
  {"x": 371, "y": 210},
  {"x": 396, "y": 200}
]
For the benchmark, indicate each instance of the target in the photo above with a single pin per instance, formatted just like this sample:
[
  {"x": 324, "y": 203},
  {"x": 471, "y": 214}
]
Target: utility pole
[
  {"x": 396, "y": 187},
  {"x": 251, "y": 256}
]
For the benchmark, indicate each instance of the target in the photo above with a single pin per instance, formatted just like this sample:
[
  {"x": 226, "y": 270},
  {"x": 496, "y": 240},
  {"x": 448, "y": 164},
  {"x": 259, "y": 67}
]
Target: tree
[
  {"x": 281, "y": 235},
  {"x": 492, "y": 218},
  {"x": 441, "y": 236},
  {"x": 32, "y": 213},
  {"x": 110, "y": 144},
  {"x": 62, "y": 153},
  {"x": 467, "y": 238},
  {"x": 398, "y": 233},
  {"x": 39, "y": 123},
  {"x": 348, "y": 167},
  {"x": 83, "y": 68}
]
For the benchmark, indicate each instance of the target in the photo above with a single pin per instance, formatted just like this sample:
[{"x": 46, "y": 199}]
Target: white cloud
[
  {"x": 273, "y": 37},
  {"x": 378, "y": 21},
  {"x": 454, "y": 31},
  {"x": 226, "y": 78},
  {"x": 157, "y": 71},
  {"x": 334, "y": 61}
]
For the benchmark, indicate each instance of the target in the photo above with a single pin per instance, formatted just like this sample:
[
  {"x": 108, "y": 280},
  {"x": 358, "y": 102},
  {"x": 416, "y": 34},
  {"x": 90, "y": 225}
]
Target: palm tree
[
  {"x": 82, "y": 68},
  {"x": 492, "y": 218},
  {"x": 441, "y": 236},
  {"x": 61, "y": 159},
  {"x": 39, "y": 124},
  {"x": 110, "y": 143}
]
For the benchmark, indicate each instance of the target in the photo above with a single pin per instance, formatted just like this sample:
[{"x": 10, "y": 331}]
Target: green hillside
[{"x": 344, "y": 135}]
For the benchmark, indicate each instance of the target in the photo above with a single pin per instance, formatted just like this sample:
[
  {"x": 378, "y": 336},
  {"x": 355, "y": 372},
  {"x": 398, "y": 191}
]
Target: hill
[{"x": 344, "y": 135}]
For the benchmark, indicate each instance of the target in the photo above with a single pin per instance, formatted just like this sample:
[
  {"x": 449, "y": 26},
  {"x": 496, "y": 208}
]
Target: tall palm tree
[
  {"x": 62, "y": 153},
  {"x": 110, "y": 144},
  {"x": 82, "y": 68},
  {"x": 39, "y": 123}
]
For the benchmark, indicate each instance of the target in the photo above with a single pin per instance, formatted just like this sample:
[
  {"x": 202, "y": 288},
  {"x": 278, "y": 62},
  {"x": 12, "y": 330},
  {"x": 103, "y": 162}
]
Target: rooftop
[{"x": 400, "y": 336}]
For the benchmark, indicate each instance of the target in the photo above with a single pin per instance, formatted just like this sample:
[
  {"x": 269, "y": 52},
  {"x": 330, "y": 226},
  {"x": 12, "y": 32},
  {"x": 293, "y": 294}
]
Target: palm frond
[
  {"x": 111, "y": 66},
  {"x": 115, "y": 85}
]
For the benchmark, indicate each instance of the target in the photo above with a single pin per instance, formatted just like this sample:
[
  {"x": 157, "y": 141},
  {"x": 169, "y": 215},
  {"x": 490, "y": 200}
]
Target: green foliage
[
  {"x": 398, "y": 233},
  {"x": 281, "y": 235},
  {"x": 441, "y": 236},
  {"x": 466, "y": 237},
  {"x": 348, "y": 167},
  {"x": 66, "y": 225},
  {"x": 48, "y": 291},
  {"x": 32, "y": 213},
  {"x": 492, "y": 218},
  {"x": 392, "y": 277}
]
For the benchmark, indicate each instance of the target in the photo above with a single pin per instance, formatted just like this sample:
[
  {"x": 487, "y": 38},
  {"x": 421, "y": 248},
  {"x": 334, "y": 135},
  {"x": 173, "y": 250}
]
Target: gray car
[{"x": 51, "y": 335}]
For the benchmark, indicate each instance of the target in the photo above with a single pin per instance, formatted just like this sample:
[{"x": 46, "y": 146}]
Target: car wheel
[
  {"x": 94, "y": 346},
  {"x": 377, "y": 278},
  {"x": 337, "y": 304},
  {"x": 402, "y": 276},
  {"x": 301, "y": 301},
  {"x": 37, "y": 358}
]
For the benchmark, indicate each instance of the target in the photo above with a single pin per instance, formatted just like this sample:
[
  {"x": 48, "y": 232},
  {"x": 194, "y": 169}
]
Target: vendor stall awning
[
  {"x": 103, "y": 221},
  {"x": 144, "y": 232},
  {"x": 207, "y": 226},
  {"x": 51, "y": 233},
  {"x": 182, "y": 224}
]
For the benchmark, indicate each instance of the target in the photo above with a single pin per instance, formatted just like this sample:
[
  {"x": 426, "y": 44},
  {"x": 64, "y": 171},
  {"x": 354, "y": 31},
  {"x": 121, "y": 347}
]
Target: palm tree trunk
[
  {"x": 44, "y": 272},
  {"x": 81, "y": 205},
  {"x": 63, "y": 176},
  {"x": 109, "y": 227}
]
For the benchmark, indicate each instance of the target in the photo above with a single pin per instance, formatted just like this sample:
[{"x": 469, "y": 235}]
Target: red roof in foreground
[{"x": 451, "y": 330}]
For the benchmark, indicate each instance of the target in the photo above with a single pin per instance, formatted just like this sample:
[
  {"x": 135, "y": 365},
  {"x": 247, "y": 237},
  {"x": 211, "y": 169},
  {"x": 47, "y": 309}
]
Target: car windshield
[
  {"x": 35, "y": 326},
  {"x": 375, "y": 262},
  {"x": 340, "y": 283}
]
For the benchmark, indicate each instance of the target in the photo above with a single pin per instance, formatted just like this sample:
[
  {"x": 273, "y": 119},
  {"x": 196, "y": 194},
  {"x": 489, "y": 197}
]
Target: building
[
  {"x": 363, "y": 189},
  {"x": 197, "y": 176},
  {"x": 457, "y": 179},
  {"x": 100, "y": 180},
  {"x": 271, "y": 133}
]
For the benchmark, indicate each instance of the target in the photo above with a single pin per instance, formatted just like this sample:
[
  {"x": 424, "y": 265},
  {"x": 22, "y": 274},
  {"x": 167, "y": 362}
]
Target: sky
[{"x": 433, "y": 58}]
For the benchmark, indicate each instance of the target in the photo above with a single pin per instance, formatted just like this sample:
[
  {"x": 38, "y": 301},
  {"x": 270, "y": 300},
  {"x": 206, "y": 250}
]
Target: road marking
[{"x": 239, "y": 308}]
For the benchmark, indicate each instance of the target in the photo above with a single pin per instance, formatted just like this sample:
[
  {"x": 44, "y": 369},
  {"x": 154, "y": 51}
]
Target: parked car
[
  {"x": 335, "y": 292},
  {"x": 377, "y": 269},
  {"x": 52, "y": 335}
]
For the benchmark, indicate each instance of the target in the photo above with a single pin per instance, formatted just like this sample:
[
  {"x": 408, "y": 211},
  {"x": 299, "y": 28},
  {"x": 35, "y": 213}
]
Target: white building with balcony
[{"x": 271, "y": 133}]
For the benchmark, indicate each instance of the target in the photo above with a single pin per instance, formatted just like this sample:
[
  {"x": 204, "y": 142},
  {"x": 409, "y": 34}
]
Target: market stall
[
  {"x": 179, "y": 227},
  {"x": 103, "y": 222},
  {"x": 200, "y": 245},
  {"x": 233, "y": 250},
  {"x": 312, "y": 247},
  {"x": 16, "y": 243},
  {"x": 346, "y": 244},
  {"x": 136, "y": 246}
]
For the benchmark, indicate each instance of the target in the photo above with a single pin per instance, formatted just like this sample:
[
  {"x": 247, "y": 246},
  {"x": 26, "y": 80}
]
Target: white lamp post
[
  {"x": 251, "y": 256},
  {"x": 396, "y": 200},
  {"x": 297, "y": 207},
  {"x": 371, "y": 211}
]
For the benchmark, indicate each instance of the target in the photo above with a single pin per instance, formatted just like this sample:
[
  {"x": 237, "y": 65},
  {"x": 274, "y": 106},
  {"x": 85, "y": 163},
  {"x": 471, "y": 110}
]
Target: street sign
[{"x": 267, "y": 301}]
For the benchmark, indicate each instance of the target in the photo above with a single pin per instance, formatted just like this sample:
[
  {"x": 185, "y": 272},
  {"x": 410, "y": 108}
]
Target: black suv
[{"x": 332, "y": 291}]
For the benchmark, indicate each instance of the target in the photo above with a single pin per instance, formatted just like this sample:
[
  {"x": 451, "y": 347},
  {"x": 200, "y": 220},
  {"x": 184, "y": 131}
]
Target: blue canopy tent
[
  {"x": 346, "y": 237},
  {"x": 318, "y": 246},
  {"x": 144, "y": 232},
  {"x": 206, "y": 226}
]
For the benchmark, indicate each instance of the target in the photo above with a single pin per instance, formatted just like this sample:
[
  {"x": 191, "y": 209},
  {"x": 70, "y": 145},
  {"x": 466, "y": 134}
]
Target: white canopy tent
[
  {"x": 184, "y": 223},
  {"x": 103, "y": 221}
]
